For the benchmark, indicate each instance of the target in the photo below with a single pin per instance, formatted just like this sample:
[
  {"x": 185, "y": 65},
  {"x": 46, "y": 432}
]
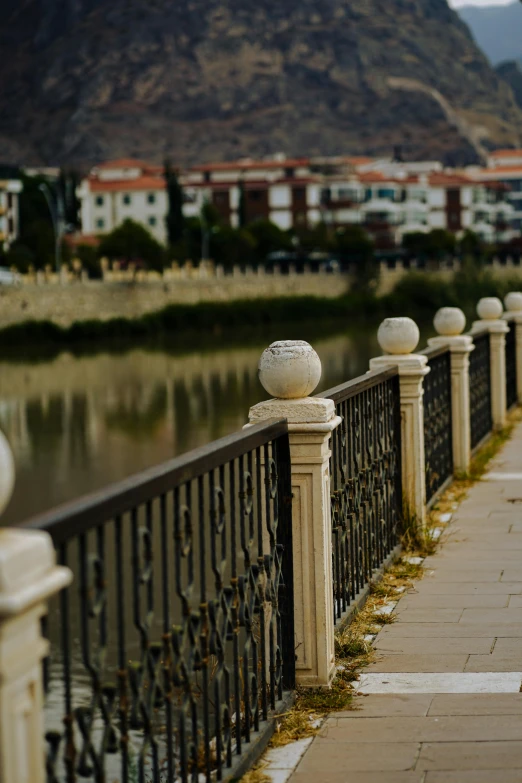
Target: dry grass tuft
[{"x": 256, "y": 775}]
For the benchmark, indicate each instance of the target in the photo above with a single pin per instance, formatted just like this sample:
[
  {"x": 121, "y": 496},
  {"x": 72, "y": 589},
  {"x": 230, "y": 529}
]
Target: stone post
[
  {"x": 489, "y": 310},
  {"x": 399, "y": 337},
  {"x": 450, "y": 322},
  {"x": 28, "y": 576},
  {"x": 513, "y": 305},
  {"x": 290, "y": 371}
]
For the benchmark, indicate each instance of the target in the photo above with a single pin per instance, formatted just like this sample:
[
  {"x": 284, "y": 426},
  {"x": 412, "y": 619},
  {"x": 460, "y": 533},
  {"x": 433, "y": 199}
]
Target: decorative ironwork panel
[
  {"x": 438, "y": 445},
  {"x": 511, "y": 365},
  {"x": 366, "y": 481},
  {"x": 480, "y": 389},
  {"x": 176, "y": 640}
]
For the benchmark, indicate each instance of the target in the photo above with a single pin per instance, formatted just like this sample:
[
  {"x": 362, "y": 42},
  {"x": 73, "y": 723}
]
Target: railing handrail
[
  {"x": 363, "y": 382},
  {"x": 89, "y": 511}
]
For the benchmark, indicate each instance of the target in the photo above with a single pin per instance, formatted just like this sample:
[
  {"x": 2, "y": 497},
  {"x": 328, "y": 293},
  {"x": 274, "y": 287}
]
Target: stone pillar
[
  {"x": 399, "y": 337},
  {"x": 290, "y": 371},
  {"x": 513, "y": 305},
  {"x": 489, "y": 310},
  {"x": 28, "y": 576},
  {"x": 450, "y": 322}
]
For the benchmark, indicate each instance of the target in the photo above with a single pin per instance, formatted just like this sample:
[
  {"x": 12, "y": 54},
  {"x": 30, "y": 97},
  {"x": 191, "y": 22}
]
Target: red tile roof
[
  {"x": 246, "y": 165},
  {"x": 122, "y": 163},
  {"x": 145, "y": 182},
  {"x": 505, "y": 154}
]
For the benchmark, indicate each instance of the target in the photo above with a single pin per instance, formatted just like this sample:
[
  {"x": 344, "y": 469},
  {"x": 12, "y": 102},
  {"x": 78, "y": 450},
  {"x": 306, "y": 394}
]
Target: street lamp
[{"x": 57, "y": 216}]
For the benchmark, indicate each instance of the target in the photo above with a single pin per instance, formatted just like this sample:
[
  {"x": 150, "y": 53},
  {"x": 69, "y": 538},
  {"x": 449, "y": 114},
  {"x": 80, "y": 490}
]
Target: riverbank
[{"x": 214, "y": 322}]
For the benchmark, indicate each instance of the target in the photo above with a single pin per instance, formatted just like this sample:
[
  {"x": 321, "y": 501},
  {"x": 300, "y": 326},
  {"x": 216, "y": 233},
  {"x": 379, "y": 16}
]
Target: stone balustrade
[{"x": 358, "y": 462}]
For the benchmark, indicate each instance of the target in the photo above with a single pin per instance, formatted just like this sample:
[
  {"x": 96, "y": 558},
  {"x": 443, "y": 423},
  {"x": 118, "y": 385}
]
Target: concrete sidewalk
[{"x": 443, "y": 701}]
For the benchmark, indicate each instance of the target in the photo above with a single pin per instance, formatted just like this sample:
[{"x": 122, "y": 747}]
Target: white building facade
[{"x": 120, "y": 190}]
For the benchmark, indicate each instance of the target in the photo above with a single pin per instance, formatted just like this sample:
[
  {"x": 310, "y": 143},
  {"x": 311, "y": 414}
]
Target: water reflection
[{"x": 79, "y": 423}]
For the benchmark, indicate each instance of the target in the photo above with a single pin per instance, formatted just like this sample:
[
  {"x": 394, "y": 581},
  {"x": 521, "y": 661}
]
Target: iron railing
[
  {"x": 511, "y": 365},
  {"x": 438, "y": 443},
  {"x": 366, "y": 481},
  {"x": 480, "y": 389},
  {"x": 175, "y": 641}
]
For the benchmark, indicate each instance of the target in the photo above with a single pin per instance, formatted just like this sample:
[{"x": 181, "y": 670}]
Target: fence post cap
[
  {"x": 28, "y": 570},
  {"x": 7, "y": 472},
  {"x": 513, "y": 302},
  {"x": 449, "y": 321},
  {"x": 398, "y": 336},
  {"x": 289, "y": 369},
  {"x": 489, "y": 308}
]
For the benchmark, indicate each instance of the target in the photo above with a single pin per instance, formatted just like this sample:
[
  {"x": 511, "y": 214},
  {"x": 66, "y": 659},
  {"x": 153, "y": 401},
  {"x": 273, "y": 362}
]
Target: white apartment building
[
  {"x": 121, "y": 189},
  {"x": 505, "y": 168},
  {"x": 9, "y": 211},
  {"x": 389, "y": 198}
]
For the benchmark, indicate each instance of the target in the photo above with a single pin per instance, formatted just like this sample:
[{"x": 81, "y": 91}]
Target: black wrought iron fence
[
  {"x": 366, "y": 481},
  {"x": 481, "y": 422},
  {"x": 511, "y": 366},
  {"x": 175, "y": 641},
  {"x": 438, "y": 443}
]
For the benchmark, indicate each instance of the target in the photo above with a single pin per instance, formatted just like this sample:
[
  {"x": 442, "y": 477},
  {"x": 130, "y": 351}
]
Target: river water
[{"x": 78, "y": 423}]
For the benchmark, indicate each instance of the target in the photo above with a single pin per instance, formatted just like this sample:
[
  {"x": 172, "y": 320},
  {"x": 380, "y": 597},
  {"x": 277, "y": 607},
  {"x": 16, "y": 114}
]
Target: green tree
[
  {"x": 355, "y": 247},
  {"x": 132, "y": 242},
  {"x": 432, "y": 245},
  {"x": 174, "y": 221},
  {"x": 232, "y": 246},
  {"x": 269, "y": 238},
  {"x": 241, "y": 212}
]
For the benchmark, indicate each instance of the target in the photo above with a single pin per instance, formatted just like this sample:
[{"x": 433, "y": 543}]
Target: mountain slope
[
  {"x": 82, "y": 80},
  {"x": 497, "y": 29},
  {"x": 511, "y": 72}
]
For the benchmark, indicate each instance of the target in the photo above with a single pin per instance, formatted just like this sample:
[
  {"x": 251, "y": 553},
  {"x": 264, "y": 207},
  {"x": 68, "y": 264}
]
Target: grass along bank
[{"x": 418, "y": 294}]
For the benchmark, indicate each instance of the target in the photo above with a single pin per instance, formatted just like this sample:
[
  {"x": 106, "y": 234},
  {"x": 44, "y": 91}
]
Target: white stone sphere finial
[
  {"x": 449, "y": 321},
  {"x": 398, "y": 335},
  {"x": 489, "y": 308},
  {"x": 289, "y": 369},
  {"x": 513, "y": 302},
  {"x": 7, "y": 472}
]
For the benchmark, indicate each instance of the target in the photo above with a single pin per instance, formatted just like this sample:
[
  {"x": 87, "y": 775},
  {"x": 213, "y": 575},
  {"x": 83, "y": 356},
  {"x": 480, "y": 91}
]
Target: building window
[
  {"x": 127, "y": 199},
  {"x": 386, "y": 193},
  {"x": 152, "y": 221},
  {"x": 100, "y": 223},
  {"x": 206, "y": 176},
  {"x": 151, "y": 198},
  {"x": 99, "y": 201},
  {"x": 289, "y": 173},
  {"x": 255, "y": 195}
]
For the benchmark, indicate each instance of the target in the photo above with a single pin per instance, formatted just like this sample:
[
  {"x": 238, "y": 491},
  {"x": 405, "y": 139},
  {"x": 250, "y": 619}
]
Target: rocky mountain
[
  {"x": 497, "y": 29},
  {"x": 511, "y": 72},
  {"x": 84, "y": 80}
]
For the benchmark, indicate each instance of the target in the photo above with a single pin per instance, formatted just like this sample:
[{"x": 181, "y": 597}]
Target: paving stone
[
  {"x": 445, "y": 646},
  {"x": 442, "y": 630},
  {"x": 470, "y": 755},
  {"x": 472, "y": 574},
  {"x": 491, "y": 615},
  {"x": 419, "y": 663},
  {"x": 475, "y": 776},
  {"x": 440, "y": 682},
  {"x": 512, "y": 574},
  {"x": 434, "y": 615},
  {"x": 475, "y": 704},
  {"x": 507, "y": 646},
  {"x": 387, "y": 705},
  {"x": 324, "y": 757},
  {"x": 515, "y": 602},
  {"x": 358, "y": 777},
  {"x": 494, "y": 663},
  {"x": 412, "y": 601},
  {"x": 452, "y": 728},
  {"x": 425, "y": 587}
]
